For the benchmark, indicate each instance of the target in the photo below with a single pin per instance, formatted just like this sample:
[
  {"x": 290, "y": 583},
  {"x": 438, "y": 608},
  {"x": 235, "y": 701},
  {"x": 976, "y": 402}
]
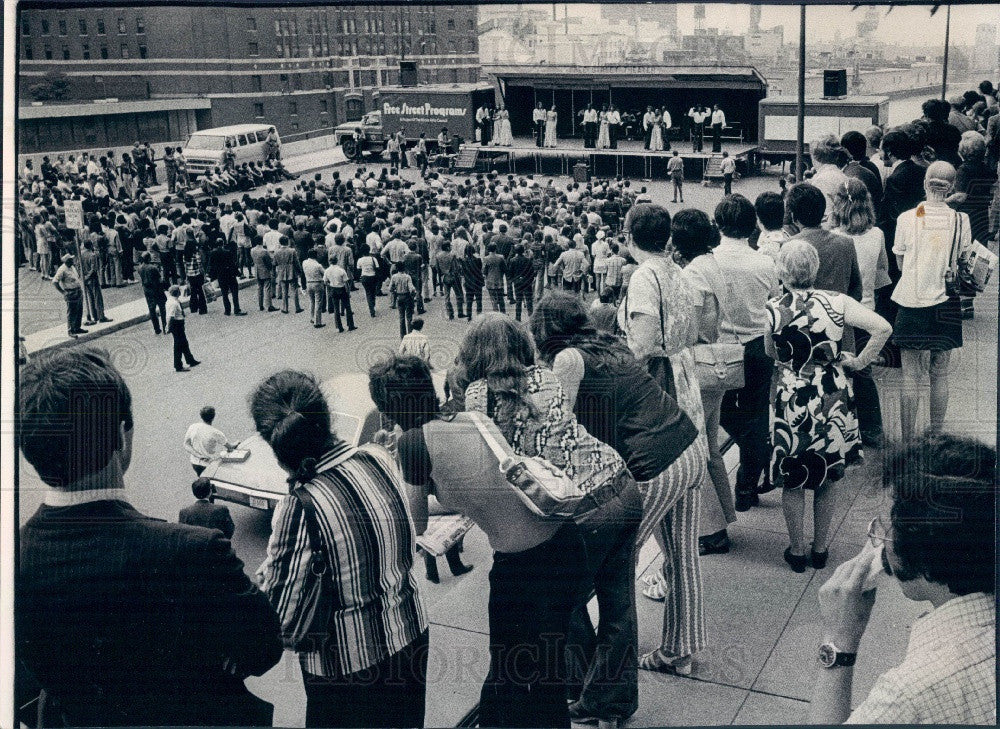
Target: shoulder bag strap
[
  {"x": 726, "y": 311},
  {"x": 494, "y": 445},
  {"x": 318, "y": 562},
  {"x": 659, "y": 305}
]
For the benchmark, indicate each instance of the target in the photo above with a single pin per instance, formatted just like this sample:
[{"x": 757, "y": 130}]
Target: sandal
[
  {"x": 655, "y": 588},
  {"x": 664, "y": 663}
]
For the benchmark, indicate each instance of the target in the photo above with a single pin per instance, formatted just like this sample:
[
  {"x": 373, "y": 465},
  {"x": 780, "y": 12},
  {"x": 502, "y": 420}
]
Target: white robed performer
[
  {"x": 550, "y": 127},
  {"x": 604, "y": 135}
]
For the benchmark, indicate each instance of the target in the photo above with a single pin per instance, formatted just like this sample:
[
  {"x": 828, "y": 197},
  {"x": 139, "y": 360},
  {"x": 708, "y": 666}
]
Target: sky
[{"x": 910, "y": 25}]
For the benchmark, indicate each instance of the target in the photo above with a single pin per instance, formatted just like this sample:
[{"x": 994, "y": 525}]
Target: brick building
[{"x": 303, "y": 69}]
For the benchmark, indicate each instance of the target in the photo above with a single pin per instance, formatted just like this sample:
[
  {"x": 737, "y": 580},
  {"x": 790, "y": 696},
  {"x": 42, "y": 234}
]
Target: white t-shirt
[
  {"x": 204, "y": 442},
  {"x": 925, "y": 244}
]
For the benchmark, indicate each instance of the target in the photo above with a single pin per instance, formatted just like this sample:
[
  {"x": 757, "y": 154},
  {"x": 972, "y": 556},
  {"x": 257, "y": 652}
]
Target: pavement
[{"x": 763, "y": 625}]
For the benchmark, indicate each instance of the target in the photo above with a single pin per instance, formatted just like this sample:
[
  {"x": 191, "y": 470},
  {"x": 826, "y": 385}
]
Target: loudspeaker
[
  {"x": 407, "y": 73},
  {"x": 835, "y": 83}
]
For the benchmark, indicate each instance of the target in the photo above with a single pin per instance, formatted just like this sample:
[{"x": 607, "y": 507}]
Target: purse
[
  {"x": 719, "y": 366},
  {"x": 966, "y": 275},
  {"x": 544, "y": 489},
  {"x": 311, "y": 627}
]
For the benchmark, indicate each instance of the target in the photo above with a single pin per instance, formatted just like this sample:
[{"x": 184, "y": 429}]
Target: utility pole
[
  {"x": 801, "y": 126},
  {"x": 947, "y": 44}
]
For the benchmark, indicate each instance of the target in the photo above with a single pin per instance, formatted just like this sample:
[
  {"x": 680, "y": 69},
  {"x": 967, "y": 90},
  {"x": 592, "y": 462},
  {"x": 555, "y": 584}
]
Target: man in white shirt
[
  {"x": 728, "y": 168},
  {"x": 718, "y": 122},
  {"x": 272, "y": 238},
  {"x": 573, "y": 263},
  {"x": 538, "y": 119},
  {"x": 647, "y": 124},
  {"x": 337, "y": 280},
  {"x": 415, "y": 344},
  {"x": 175, "y": 325},
  {"x": 698, "y": 114},
  {"x": 936, "y": 537},
  {"x": 826, "y": 156},
  {"x": 204, "y": 442},
  {"x": 614, "y": 124},
  {"x": 590, "y": 127},
  {"x": 483, "y": 117}
]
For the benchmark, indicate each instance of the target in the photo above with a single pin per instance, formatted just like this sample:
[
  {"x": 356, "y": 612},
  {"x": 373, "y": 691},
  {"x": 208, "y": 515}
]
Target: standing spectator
[
  {"x": 854, "y": 217},
  {"x": 494, "y": 269},
  {"x": 415, "y": 343},
  {"x": 152, "y": 290},
  {"x": 974, "y": 181},
  {"x": 718, "y": 124},
  {"x": 929, "y": 322},
  {"x": 368, "y": 665},
  {"x": 449, "y": 273},
  {"x": 814, "y": 430},
  {"x": 222, "y": 268},
  {"x": 90, "y": 273},
  {"x": 196, "y": 279},
  {"x": 204, "y": 442},
  {"x": 286, "y": 270},
  {"x": 67, "y": 282},
  {"x": 313, "y": 272},
  {"x": 827, "y": 156},
  {"x": 904, "y": 187},
  {"x": 471, "y": 267},
  {"x": 175, "y": 325},
  {"x": 413, "y": 264},
  {"x": 948, "y": 675},
  {"x": 170, "y": 168},
  {"x": 675, "y": 168},
  {"x": 728, "y": 168},
  {"x": 521, "y": 276},
  {"x": 338, "y": 295},
  {"x": 613, "y": 276},
  {"x": 204, "y": 513},
  {"x": 838, "y": 261},
  {"x": 942, "y": 137},
  {"x": 770, "y": 209},
  {"x": 115, "y": 625},
  {"x": 403, "y": 291},
  {"x": 263, "y": 267},
  {"x": 367, "y": 267},
  {"x": 855, "y": 144},
  {"x": 873, "y": 135},
  {"x": 572, "y": 264}
]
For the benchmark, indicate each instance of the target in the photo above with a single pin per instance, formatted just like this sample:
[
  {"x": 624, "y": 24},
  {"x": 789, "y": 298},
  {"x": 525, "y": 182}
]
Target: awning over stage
[{"x": 631, "y": 88}]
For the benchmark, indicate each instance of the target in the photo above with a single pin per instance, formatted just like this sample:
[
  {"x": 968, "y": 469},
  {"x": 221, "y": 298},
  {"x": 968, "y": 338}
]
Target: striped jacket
[{"x": 366, "y": 527}]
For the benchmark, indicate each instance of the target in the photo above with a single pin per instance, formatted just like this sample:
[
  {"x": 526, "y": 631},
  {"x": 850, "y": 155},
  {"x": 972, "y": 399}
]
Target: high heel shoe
[
  {"x": 797, "y": 562},
  {"x": 819, "y": 559}
]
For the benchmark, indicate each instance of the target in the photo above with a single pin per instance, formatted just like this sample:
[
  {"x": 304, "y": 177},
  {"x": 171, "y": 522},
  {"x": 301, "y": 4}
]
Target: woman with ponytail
[{"x": 364, "y": 662}]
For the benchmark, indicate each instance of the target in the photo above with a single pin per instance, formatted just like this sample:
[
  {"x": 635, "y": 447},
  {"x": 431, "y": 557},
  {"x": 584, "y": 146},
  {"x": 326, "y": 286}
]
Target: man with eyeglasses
[{"x": 937, "y": 539}]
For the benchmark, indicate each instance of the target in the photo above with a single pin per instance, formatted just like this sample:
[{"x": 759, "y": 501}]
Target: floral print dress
[{"x": 814, "y": 426}]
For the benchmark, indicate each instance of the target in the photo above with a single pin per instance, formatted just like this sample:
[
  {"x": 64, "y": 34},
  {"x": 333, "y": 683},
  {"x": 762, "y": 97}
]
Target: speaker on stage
[
  {"x": 407, "y": 73},
  {"x": 834, "y": 83}
]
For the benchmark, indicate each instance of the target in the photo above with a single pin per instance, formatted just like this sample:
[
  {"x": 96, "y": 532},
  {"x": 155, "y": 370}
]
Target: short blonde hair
[
  {"x": 972, "y": 146},
  {"x": 798, "y": 264},
  {"x": 826, "y": 150}
]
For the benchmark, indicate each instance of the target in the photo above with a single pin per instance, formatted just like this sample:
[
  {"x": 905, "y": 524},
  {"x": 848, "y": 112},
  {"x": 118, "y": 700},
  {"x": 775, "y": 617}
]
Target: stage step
[
  {"x": 466, "y": 159},
  {"x": 713, "y": 168}
]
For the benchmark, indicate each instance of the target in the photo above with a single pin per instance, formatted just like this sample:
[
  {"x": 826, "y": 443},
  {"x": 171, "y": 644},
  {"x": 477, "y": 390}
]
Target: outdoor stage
[{"x": 631, "y": 159}]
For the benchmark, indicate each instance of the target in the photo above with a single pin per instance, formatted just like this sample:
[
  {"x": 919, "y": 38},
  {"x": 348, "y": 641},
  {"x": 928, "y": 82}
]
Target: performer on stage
[
  {"x": 538, "y": 118},
  {"x": 614, "y": 126},
  {"x": 604, "y": 135},
  {"x": 656, "y": 136},
  {"x": 698, "y": 114},
  {"x": 550, "y": 127},
  {"x": 718, "y": 122},
  {"x": 483, "y": 117},
  {"x": 647, "y": 125},
  {"x": 666, "y": 123},
  {"x": 590, "y": 127},
  {"x": 504, "y": 137}
]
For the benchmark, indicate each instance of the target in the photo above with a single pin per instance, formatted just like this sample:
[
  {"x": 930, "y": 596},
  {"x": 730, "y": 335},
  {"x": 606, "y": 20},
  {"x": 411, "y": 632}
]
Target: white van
[{"x": 204, "y": 149}]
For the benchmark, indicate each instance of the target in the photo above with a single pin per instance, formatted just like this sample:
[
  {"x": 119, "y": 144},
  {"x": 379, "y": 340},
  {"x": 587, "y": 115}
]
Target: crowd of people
[{"x": 763, "y": 318}]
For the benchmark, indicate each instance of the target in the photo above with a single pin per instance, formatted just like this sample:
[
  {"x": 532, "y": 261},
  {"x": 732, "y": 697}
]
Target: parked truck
[
  {"x": 416, "y": 110},
  {"x": 777, "y": 121}
]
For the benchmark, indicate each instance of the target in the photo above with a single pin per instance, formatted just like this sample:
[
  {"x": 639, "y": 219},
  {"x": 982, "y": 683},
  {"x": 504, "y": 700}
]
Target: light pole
[
  {"x": 800, "y": 132},
  {"x": 947, "y": 44}
]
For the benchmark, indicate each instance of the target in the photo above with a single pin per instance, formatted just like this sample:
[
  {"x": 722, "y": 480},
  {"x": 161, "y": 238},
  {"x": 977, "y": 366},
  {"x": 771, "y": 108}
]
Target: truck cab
[{"x": 374, "y": 135}]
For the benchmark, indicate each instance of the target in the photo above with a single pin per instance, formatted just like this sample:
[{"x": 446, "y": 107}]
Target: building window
[
  {"x": 83, "y": 26},
  {"x": 295, "y": 126},
  {"x": 293, "y": 108},
  {"x": 323, "y": 106},
  {"x": 451, "y": 24},
  {"x": 62, "y": 27},
  {"x": 255, "y": 83},
  {"x": 140, "y": 25},
  {"x": 258, "y": 111},
  {"x": 28, "y": 52},
  {"x": 252, "y": 24},
  {"x": 125, "y": 51},
  {"x": 143, "y": 51},
  {"x": 86, "y": 51},
  {"x": 472, "y": 24},
  {"x": 98, "y": 79},
  {"x": 48, "y": 53},
  {"x": 101, "y": 30},
  {"x": 253, "y": 49},
  {"x": 104, "y": 52},
  {"x": 121, "y": 26},
  {"x": 65, "y": 53},
  {"x": 25, "y": 26}
]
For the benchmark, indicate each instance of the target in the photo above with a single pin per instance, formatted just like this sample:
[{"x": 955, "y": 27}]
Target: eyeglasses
[{"x": 877, "y": 531}]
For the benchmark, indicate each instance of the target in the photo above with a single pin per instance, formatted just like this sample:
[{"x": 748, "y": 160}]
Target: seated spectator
[
  {"x": 123, "y": 619},
  {"x": 204, "y": 513},
  {"x": 937, "y": 539}
]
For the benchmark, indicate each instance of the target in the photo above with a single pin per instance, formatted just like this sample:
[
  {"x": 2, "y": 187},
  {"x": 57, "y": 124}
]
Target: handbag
[
  {"x": 311, "y": 627},
  {"x": 967, "y": 275},
  {"x": 544, "y": 489},
  {"x": 719, "y": 366}
]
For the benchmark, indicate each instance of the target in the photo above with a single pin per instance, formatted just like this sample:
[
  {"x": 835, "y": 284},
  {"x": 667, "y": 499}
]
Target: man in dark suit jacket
[
  {"x": 263, "y": 267},
  {"x": 287, "y": 268},
  {"x": 204, "y": 513},
  {"x": 123, "y": 619},
  {"x": 222, "y": 267}
]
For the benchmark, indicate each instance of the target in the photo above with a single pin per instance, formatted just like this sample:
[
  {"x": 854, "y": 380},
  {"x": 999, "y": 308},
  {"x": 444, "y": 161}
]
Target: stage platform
[{"x": 631, "y": 159}]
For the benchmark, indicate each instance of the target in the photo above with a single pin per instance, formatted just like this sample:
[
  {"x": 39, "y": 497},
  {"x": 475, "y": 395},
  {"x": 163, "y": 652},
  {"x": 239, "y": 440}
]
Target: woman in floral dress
[{"x": 814, "y": 428}]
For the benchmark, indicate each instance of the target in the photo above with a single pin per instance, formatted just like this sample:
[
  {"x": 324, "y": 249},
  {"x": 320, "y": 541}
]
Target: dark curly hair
[
  {"x": 943, "y": 512},
  {"x": 402, "y": 389},
  {"x": 693, "y": 234}
]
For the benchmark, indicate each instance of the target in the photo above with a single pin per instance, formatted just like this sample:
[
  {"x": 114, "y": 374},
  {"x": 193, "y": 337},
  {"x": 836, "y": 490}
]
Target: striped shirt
[{"x": 366, "y": 526}]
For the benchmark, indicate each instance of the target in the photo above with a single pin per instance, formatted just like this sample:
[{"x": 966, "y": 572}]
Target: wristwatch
[{"x": 830, "y": 656}]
